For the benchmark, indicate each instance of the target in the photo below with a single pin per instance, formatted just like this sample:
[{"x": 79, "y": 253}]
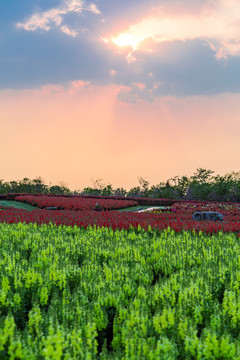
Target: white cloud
[
  {"x": 93, "y": 8},
  {"x": 45, "y": 20},
  {"x": 75, "y": 5},
  {"x": 218, "y": 24},
  {"x": 65, "y": 29}
]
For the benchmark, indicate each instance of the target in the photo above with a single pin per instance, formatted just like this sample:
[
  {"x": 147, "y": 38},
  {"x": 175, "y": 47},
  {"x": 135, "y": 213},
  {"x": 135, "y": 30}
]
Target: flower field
[
  {"x": 71, "y": 293},
  {"x": 179, "y": 218},
  {"x": 74, "y": 203}
]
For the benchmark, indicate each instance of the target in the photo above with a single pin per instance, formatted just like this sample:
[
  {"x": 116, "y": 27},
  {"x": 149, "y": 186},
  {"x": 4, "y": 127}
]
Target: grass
[{"x": 17, "y": 204}]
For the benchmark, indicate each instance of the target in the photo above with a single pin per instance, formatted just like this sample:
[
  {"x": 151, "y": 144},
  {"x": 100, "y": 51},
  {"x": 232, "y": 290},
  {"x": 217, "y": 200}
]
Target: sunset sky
[{"x": 117, "y": 90}]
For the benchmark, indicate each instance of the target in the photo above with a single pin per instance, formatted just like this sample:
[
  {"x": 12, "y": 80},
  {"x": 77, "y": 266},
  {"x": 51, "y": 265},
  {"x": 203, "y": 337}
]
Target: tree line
[{"x": 202, "y": 185}]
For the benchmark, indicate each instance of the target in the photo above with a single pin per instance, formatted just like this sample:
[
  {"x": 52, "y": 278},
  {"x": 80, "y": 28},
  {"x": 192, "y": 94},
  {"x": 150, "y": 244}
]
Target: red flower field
[
  {"x": 180, "y": 218},
  {"x": 74, "y": 203}
]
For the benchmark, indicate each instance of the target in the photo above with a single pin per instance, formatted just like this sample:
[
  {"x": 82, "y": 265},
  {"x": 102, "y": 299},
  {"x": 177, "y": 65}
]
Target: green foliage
[
  {"x": 135, "y": 191},
  {"x": 202, "y": 176},
  {"x": 107, "y": 190},
  {"x": 202, "y": 185},
  {"x": 144, "y": 186},
  {"x": 35, "y": 186},
  {"x": 68, "y": 293},
  {"x": 58, "y": 189}
]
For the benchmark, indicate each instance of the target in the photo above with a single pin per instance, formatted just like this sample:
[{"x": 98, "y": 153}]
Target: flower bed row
[
  {"x": 139, "y": 201},
  {"x": 227, "y": 209},
  {"x": 115, "y": 220},
  {"x": 75, "y": 203}
]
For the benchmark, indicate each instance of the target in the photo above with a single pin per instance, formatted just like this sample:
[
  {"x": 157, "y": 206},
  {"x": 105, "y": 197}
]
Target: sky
[{"x": 117, "y": 90}]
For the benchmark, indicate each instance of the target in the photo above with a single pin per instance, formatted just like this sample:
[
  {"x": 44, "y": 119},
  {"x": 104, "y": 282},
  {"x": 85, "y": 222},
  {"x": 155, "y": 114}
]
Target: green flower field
[{"x": 72, "y": 293}]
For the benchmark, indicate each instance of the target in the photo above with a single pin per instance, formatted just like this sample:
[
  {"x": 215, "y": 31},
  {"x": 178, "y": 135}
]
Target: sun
[{"x": 127, "y": 40}]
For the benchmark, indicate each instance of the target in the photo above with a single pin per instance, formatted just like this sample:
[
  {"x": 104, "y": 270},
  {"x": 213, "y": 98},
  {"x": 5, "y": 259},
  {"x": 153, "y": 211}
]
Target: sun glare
[{"x": 127, "y": 40}]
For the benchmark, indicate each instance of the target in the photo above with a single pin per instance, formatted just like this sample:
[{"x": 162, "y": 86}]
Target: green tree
[
  {"x": 200, "y": 186},
  {"x": 202, "y": 176},
  {"x": 181, "y": 185},
  {"x": 91, "y": 191},
  {"x": 4, "y": 187},
  {"x": 120, "y": 192},
  {"x": 144, "y": 186},
  {"x": 235, "y": 186},
  {"x": 13, "y": 186},
  {"x": 39, "y": 185},
  {"x": 222, "y": 187},
  {"x": 134, "y": 192},
  {"x": 107, "y": 190},
  {"x": 164, "y": 190},
  {"x": 59, "y": 189}
]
